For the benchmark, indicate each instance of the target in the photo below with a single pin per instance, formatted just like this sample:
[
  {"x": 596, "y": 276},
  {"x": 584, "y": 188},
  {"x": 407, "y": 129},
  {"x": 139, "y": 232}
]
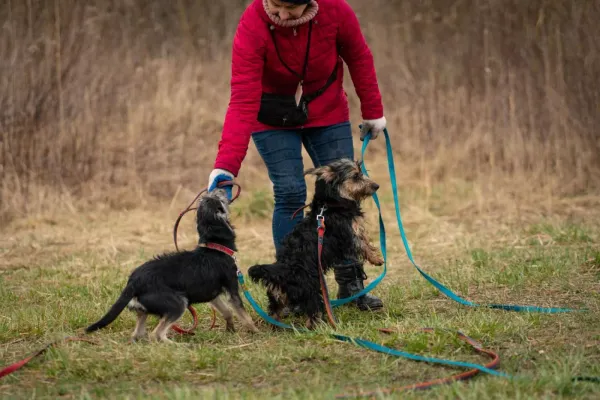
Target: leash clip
[{"x": 321, "y": 217}]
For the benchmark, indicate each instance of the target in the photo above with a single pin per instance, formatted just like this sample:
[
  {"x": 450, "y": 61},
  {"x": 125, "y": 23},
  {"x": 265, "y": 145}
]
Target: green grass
[{"x": 48, "y": 292}]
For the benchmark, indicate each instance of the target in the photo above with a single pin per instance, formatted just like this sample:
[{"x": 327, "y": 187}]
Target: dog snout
[{"x": 374, "y": 186}]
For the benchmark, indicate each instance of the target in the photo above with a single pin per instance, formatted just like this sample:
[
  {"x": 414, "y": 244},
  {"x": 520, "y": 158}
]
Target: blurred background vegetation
[{"x": 122, "y": 101}]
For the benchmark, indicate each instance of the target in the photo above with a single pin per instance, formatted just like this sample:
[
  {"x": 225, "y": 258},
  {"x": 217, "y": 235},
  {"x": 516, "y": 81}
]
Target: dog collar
[{"x": 221, "y": 248}]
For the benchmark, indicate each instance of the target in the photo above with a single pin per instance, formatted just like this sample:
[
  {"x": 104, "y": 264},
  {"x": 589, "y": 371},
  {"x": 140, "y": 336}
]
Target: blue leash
[
  {"x": 447, "y": 292},
  {"x": 382, "y": 240},
  {"x": 438, "y": 285},
  {"x": 357, "y": 341},
  {"x": 365, "y": 343}
]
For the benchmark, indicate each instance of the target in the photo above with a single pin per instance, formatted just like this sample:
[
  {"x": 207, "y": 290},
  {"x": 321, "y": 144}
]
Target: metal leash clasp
[{"x": 321, "y": 217}]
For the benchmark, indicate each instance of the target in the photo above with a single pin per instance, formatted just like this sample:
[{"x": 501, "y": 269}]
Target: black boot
[{"x": 350, "y": 279}]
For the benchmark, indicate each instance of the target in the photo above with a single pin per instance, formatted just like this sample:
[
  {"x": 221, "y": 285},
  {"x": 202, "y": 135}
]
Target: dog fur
[
  {"x": 293, "y": 280},
  {"x": 167, "y": 284}
]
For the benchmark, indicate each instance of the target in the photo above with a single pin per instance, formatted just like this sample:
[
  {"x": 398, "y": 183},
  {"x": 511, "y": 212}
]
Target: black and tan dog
[
  {"x": 293, "y": 280},
  {"x": 166, "y": 285}
]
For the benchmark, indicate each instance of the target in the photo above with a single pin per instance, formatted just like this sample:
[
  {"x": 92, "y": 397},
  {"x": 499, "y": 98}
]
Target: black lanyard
[{"x": 301, "y": 77}]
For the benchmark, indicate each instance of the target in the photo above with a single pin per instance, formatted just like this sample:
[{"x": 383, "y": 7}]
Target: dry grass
[
  {"x": 118, "y": 102},
  {"x": 60, "y": 272}
]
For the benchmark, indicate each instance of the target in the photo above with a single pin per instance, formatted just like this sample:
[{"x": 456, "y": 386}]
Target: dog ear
[
  {"x": 313, "y": 171},
  {"x": 324, "y": 172},
  {"x": 359, "y": 164}
]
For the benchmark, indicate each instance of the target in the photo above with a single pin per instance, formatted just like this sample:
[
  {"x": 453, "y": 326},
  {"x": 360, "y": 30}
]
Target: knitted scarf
[{"x": 309, "y": 13}]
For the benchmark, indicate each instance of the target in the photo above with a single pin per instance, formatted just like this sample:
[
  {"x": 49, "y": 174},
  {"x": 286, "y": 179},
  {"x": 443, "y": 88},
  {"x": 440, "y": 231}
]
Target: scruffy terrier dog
[
  {"x": 293, "y": 280},
  {"x": 166, "y": 285}
]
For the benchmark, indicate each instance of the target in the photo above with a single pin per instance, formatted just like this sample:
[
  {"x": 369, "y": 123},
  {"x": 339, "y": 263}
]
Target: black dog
[
  {"x": 166, "y": 285},
  {"x": 293, "y": 280}
]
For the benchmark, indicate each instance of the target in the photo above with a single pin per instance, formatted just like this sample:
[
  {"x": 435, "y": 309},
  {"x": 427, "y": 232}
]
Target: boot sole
[
  {"x": 369, "y": 308},
  {"x": 363, "y": 307}
]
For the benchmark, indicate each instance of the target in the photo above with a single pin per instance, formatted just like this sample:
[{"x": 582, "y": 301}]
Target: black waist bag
[{"x": 281, "y": 110}]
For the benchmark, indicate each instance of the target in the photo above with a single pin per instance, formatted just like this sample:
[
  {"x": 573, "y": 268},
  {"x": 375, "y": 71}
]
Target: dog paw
[
  {"x": 254, "y": 329},
  {"x": 377, "y": 260},
  {"x": 251, "y": 326}
]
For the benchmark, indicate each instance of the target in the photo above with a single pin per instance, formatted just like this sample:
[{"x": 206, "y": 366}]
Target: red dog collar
[{"x": 221, "y": 248}]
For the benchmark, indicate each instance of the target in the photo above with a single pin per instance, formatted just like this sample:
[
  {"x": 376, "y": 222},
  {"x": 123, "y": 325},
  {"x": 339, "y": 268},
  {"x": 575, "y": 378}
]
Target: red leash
[
  {"x": 324, "y": 291},
  {"x": 190, "y": 331},
  {"x": 189, "y": 207},
  {"x": 15, "y": 366},
  {"x": 301, "y": 208},
  {"x": 436, "y": 382},
  {"x": 191, "y": 309}
]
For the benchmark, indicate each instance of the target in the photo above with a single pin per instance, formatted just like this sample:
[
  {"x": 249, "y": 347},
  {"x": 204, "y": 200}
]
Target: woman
[{"x": 286, "y": 92}]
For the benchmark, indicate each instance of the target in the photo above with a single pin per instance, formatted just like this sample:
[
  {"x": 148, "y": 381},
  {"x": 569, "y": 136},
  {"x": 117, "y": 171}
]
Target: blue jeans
[{"x": 281, "y": 151}]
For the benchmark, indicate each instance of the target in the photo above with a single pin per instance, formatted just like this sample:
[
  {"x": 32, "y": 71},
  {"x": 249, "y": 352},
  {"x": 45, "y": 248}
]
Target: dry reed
[{"x": 119, "y": 102}]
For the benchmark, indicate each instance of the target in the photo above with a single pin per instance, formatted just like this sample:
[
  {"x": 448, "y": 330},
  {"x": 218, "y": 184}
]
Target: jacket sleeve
[
  {"x": 355, "y": 51},
  {"x": 247, "y": 61}
]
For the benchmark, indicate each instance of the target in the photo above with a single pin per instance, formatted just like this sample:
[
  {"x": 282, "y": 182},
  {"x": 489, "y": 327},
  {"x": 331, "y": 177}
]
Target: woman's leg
[
  {"x": 325, "y": 145},
  {"x": 329, "y": 143},
  {"x": 281, "y": 151}
]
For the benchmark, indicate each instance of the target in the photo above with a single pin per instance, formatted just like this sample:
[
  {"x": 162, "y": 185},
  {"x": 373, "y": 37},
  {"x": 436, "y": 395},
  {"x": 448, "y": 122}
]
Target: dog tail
[
  {"x": 126, "y": 295},
  {"x": 261, "y": 272}
]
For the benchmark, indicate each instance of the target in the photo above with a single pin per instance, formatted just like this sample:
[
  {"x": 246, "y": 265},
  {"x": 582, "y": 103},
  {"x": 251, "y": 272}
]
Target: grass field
[
  {"x": 110, "y": 114},
  {"x": 60, "y": 272}
]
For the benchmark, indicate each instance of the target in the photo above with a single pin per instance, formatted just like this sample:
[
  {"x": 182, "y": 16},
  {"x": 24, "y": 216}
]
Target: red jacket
[{"x": 255, "y": 68}]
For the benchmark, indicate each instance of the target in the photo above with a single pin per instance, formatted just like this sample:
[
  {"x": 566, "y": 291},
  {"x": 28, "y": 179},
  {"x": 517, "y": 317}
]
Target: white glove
[
  {"x": 218, "y": 175},
  {"x": 375, "y": 126}
]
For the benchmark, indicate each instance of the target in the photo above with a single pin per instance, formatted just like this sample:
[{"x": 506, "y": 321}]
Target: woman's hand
[
  {"x": 375, "y": 126},
  {"x": 219, "y": 175}
]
